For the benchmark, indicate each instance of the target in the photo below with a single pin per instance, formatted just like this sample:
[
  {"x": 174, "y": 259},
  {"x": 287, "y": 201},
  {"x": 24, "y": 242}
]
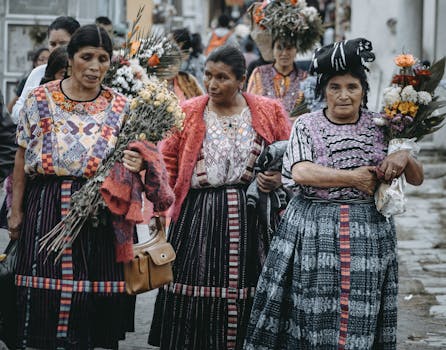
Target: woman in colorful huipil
[
  {"x": 220, "y": 244},
  {"x": 283, "y": 79},
  {"x": 330, "y": 280},
  {"x": 66, "y": 128}
]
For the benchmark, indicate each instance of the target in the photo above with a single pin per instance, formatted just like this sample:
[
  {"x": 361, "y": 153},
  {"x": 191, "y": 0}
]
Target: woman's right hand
[
  {"x": 15, "y": 220},
  {"x": 365, "y": 179}
]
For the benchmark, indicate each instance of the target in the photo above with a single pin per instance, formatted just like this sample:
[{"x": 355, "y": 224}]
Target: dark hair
[
  {"x": 37, "y": 54},
  {"x": 58, "y": 60},
  {"x": 356, "y": 71},
  {"x": 67, "y": 23},
  {"x": 103, "y": 20},
  {"x": 231, "y": 56},
  {"x": 197, "y": 44},
  {"x": 287, "y": 42},
  {"x": 90, "y": 35},
  {"x": 249, "y": 44},
  {"x": 223, "y": 21},
  {"x": 183, "y": 38}
]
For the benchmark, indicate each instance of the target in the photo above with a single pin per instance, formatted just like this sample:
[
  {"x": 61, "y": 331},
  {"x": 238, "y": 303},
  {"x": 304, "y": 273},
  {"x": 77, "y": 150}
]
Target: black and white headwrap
[{"x": 342, "y": 56}]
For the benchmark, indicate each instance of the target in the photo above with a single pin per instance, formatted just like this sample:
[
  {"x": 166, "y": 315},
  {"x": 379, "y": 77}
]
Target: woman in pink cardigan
[{"x": 220, "y": 246}]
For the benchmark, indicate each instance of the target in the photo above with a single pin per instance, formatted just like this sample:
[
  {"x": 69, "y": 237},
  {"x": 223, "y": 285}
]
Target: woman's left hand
[
  {"x": 133, "y": 161},
  {"x": 393, "y": 165},
  {"x": 269, "y": 180}
]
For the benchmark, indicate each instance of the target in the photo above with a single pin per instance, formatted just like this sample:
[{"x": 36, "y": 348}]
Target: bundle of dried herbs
[{"x": 154, "y": 113}]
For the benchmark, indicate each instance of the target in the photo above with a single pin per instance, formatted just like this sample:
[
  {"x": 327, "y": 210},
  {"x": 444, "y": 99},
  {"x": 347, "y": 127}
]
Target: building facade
[{"x": 23, "y": 25}]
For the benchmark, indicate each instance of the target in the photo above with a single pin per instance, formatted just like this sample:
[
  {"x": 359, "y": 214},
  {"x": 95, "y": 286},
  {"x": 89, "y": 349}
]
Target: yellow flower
[
  {"x": 145, "y": 95},
  {"x": 169, "y": 109},
  {"x": 134, "y": 103},
  {"x": 408, "y": 108},
  {"x": 413, "y": 110},
  {"x": 391, "y": 111},
  {"x": 161, "y": 97},
  {"x": 134, "y": 47}
]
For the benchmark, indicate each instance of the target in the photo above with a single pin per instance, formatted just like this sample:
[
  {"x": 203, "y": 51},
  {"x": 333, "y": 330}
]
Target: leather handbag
[{"x": 151, "y": 266}]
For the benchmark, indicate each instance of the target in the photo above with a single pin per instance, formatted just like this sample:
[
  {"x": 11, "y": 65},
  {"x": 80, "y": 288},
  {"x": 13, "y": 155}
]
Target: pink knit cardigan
[{"x": 182, "y": 149}]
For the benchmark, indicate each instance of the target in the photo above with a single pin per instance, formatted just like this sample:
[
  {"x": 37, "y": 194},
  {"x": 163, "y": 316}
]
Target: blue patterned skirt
[{"x": 330, "y": 281}]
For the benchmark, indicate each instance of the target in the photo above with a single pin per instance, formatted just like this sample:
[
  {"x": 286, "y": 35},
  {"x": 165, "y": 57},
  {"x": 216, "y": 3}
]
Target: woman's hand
[
  {"x": 269, "y": 180},
  {"x": 393, "y": 165},
  {"x": 365, "y": 179},
  {"x": 15, "y": 219},
  {"x": 133, "y": 161}
]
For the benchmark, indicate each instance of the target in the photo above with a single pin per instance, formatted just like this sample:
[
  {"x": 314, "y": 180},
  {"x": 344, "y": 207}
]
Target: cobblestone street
[{"x": 422, "y": 256}]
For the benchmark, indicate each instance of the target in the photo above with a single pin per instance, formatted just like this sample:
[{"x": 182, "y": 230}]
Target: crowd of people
[{"x": 317, "y": 272}]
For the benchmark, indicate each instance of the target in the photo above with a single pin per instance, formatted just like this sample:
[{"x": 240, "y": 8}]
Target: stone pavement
[{"x": 422, "y": 256}]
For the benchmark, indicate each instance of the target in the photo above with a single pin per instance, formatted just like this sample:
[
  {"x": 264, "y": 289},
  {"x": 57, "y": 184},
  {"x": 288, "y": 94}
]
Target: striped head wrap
[{"x": 342, "y": 56}]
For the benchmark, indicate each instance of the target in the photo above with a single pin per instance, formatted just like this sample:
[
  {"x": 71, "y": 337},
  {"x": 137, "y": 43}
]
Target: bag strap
[{"x": 160, "y": 227}]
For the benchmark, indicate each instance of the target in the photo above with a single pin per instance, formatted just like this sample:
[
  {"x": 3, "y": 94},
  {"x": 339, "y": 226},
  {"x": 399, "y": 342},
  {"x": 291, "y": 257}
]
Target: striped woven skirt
[
  {"x": 220, "y": 249},
  {"x": 330, "y": 281},
  {"x": 80, "y": 301}
]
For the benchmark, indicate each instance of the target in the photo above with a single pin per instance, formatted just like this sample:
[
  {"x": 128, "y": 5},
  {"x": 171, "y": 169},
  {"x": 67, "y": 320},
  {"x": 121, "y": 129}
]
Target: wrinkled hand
[
  {"x": 133, "y": 161},
  {"x": 393, "y": 166},
  {"x": 365, "y": 179},
  {"x": 15, "y": 220},
  {"x": 269, "y": 181}
]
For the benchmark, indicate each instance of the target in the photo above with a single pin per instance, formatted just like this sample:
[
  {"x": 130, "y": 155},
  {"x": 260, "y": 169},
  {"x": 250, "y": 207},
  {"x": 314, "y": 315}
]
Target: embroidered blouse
[
  {"x": 68, "y": 138},
  {"x": 316, "y": 139},
  {"x": 226, "y": 148},
  {"x": 291, "y": 90}
]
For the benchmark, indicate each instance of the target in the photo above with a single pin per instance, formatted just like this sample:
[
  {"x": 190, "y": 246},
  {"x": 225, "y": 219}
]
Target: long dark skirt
[
  {"x": 330, "y": 281},
  {"x": 80, "y": 301},
  {"x": 220, "y": 249}
]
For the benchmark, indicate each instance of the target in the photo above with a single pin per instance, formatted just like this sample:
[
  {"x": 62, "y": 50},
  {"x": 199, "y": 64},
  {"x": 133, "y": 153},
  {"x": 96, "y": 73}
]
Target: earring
[{"x": 68, "y": 73}]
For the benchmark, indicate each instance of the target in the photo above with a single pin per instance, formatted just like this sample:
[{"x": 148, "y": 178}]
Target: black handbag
[{"x": 8, "y": 310}]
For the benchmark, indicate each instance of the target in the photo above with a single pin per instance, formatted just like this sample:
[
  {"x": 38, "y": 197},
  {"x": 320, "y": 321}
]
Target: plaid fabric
[
  {"x": 219, "y": 249},
  {"x": 100, "y": 312},
  {"x": 330, "y": 281}
]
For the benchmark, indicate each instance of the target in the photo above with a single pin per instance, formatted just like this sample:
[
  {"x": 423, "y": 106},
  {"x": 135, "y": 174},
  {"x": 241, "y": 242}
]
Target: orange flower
[
  {"x": 258, "y": 14},
  {"x": 154, "y": 60},
  {"x": 404, "y": 60},
  {"x": 294, "y": 2},
  {"x": 134, "y": 47}
]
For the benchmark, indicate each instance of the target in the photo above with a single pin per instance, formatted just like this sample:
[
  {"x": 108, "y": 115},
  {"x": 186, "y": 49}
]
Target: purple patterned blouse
[{"x": 316, "y": 139}]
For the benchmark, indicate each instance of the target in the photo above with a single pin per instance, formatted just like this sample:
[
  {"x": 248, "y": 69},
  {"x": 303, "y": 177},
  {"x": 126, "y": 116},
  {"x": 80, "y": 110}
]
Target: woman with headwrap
[
  {"x": 330, "y": 280},
  {"x": 292, "y": 27}
]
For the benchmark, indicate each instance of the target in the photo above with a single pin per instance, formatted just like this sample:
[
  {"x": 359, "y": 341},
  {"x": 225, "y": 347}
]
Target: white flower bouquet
[{"x": 409, "y": 113}]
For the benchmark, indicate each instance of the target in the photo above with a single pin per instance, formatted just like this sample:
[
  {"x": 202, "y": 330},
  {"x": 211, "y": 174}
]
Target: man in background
[{"x": 105, "y": 23}]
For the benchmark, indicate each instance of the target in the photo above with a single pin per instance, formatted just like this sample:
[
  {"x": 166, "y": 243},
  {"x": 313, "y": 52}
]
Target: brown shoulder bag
[{"x": 151, "y": 266}]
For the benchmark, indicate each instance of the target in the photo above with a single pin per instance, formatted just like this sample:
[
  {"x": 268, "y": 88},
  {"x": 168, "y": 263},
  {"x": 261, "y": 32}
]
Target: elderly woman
[
  {"x": 330, "y": 280},
  {"x": 66, "y": 128},
  {"x": 220, "y": 246}
]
